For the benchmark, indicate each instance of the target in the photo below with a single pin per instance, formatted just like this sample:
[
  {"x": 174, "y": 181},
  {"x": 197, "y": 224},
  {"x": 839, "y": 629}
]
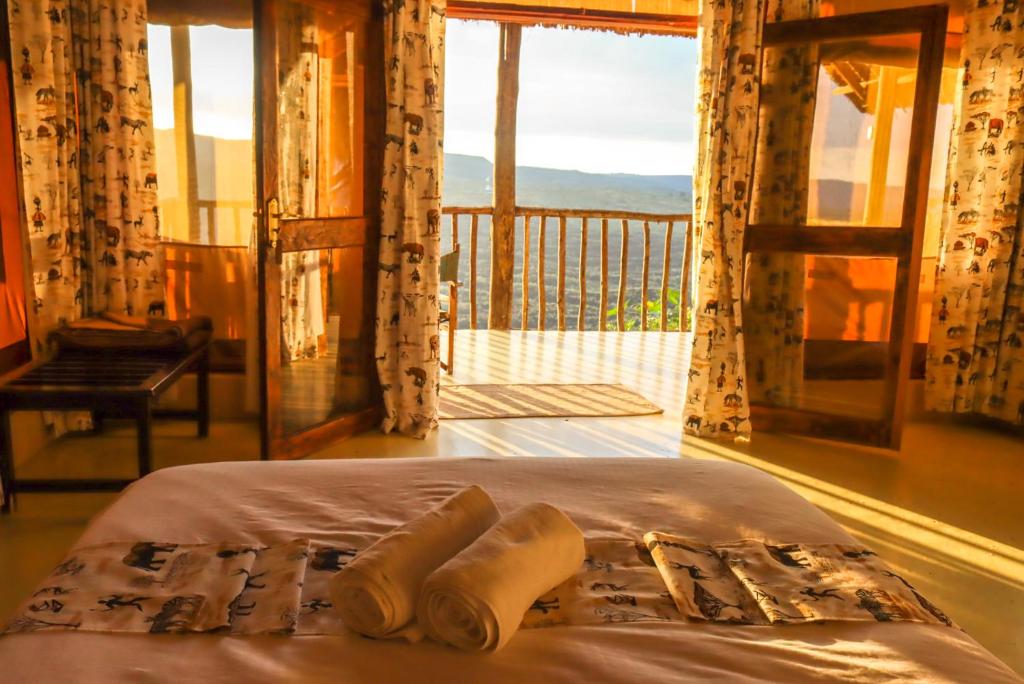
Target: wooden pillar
[
  {"x": 187, "y": 213},
  {"x": 503, "y": 225}
]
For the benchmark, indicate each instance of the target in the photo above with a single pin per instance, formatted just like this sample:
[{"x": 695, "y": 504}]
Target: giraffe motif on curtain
[
  {"x": 975, "y": 357},
  {"x": 410, "y": 245}
]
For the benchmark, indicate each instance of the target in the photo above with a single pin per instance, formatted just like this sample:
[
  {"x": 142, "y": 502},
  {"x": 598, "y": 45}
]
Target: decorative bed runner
[
  {"x": 757, "y": 583},
  {"x": 283, "y": 589},
  {"x": 541, "y": 401}
]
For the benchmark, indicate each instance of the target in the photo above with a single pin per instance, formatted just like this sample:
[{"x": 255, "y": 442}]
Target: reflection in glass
[
  {"x": 321, "y": 59},
  {"x": 843, "y": 338},
  {"x": 861, "y": 109}
]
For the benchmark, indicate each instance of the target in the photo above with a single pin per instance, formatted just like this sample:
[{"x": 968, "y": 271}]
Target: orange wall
[{"x": 13, "y": 324}]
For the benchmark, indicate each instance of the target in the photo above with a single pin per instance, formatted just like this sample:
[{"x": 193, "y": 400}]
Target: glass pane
[
  {"x": 222, "y": 119},
  {"x": 835, "y": 123},
  {"x": 204, "y": 161},
  {"x": 322, "y": 375},
  {"x": 321, "y": 67},
  {"x": 816, "y": 331}
]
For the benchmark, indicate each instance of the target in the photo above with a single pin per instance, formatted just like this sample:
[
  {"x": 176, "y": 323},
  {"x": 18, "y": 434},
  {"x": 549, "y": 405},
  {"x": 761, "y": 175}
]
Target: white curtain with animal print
[
  {"x": 302, "y": 304},
  {"x": 729, "y": 36},
  {"x": 975, "y": 360},
  {"x": 84, "y": 114},
  {"x": 410, "y": 246},
  {"x": 773, "y": 288}
]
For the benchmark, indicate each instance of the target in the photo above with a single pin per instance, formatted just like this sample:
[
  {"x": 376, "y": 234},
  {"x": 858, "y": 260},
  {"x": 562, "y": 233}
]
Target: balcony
[{"x": 574, "y": 269}]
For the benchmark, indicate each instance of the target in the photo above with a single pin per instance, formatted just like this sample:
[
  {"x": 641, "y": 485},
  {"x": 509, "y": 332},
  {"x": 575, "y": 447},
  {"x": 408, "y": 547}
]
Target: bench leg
[
  {"x": 144, "y": 420},
  {"x": 6, "y": 461},
  {"x": 203, "y": 393}
]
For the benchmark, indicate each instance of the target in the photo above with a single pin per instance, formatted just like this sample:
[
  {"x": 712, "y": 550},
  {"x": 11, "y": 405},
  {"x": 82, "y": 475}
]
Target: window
[{"x": 202, "y": 84}]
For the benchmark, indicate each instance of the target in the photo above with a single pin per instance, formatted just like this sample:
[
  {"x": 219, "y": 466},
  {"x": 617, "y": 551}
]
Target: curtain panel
[
  {"x": 774, "y": 283},
  {"x": 975, "y": 360},
  {"x": 84, "y": 117},
  {"x": 302, "y": 304},
  {"x": 729, "y": 36},
  {"x": 410, "y": 247}
]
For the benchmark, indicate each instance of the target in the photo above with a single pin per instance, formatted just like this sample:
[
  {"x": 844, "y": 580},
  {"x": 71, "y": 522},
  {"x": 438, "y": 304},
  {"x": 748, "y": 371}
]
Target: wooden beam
[
  {"x": 503, "y": 224},
  {"x": 187, "y": 213},
  {"x": 623, "y": 270},
  {"x": 534, "y": 15},
  {"x": 473, "y": 227},
  {"x": 602, "y": 323}
]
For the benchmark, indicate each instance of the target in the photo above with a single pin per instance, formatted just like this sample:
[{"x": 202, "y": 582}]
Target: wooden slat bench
[{"x": 107, "y": 384}]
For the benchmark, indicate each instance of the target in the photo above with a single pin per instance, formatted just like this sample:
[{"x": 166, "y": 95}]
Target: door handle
[{"x": 274, "y": 226}]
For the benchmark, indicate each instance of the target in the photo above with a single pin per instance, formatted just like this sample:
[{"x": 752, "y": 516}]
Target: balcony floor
[{"x": 945, "y": 510}]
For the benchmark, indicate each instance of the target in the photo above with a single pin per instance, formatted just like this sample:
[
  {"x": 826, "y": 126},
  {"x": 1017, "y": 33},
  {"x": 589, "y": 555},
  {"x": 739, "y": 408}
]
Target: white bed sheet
[{"x": 275, "y": 502}]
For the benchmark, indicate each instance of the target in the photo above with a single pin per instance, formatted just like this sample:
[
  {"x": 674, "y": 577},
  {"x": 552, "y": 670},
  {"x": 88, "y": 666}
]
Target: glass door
[
  {"x": 839, "y": 199},
  {"x": 319, "y": 112}
]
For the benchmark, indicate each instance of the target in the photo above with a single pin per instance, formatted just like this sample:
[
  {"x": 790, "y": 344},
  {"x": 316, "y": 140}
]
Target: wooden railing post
[
  {"x": 474, "y": 221},
  {"x": 581, "y": 322},
  {"x": 524, "y": 324},
  {"x": 542, "y": 302},
  {"x": 603, "y": 323},
  {"x": 503, "y": 221},
  {"x": 685, "y": 296},
  {"x": 560, "y": 295},
  {"x": 645, "y": 276},
  {"x": 623, "y": 270},
  {"x": 666, "y": 266}
]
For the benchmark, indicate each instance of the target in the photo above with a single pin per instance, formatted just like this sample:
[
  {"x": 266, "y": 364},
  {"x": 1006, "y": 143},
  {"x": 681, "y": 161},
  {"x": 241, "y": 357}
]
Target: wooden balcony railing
[{"x": 609, "y": 220}]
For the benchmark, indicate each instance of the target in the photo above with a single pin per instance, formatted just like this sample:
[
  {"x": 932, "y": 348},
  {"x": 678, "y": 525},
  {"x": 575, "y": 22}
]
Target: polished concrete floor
[{"x": 946, "y": 510}]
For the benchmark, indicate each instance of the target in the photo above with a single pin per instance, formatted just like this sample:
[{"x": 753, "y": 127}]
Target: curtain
[
  {"x": 84, "y": 115},
  {"x": 976, "y": 347},
  {"x": 729, "y": 36},
  {"x": 302, "y": 305},
  {"x": 410, "y": 246},
  {"x": 773, "y": 296}
]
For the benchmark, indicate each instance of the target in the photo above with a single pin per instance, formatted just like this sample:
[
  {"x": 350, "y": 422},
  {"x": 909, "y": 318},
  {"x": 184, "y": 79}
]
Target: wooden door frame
[
  {"x": 903, "y": 242},
  {"x": 294, "y": 234}
]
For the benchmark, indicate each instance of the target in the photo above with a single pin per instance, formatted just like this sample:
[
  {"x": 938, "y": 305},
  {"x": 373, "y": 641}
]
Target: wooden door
[
  {"x": 319, "y": 112},
  {"x": 874, "y": 98}
]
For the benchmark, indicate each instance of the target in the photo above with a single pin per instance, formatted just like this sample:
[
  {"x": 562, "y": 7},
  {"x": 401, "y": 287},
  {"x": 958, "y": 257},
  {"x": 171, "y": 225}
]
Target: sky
[{"x": 588, "y": 100}]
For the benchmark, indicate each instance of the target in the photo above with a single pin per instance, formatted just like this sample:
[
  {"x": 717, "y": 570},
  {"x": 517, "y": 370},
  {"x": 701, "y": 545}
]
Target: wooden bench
[{"x": 107, "y": 384}]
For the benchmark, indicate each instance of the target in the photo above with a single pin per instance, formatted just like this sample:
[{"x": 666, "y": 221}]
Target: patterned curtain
[
  {"x": 730, "y": 47},
  {"x": 773, "y": 295},
  {"x": 83, "y": 110},
  {"x": 976, "y": 346},
  {"x": 302, "y": 306},
  {"x": 410, "y": 246}
]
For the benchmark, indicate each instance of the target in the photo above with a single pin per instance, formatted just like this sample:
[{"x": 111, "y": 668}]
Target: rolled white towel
[
  {"x": 376, "y": 592},
  {"x": 477, "y": 600}
]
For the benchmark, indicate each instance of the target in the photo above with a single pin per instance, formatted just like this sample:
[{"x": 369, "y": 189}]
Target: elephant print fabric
[
  {"x": 729, "y": 35},
  {"x": 245, "y": 589},
  {"x": 410, "y": 247},
  {"x": 753, "y": 582},
  {"x": 975, "y": 357},
  {"x": 84, "y": 119}
]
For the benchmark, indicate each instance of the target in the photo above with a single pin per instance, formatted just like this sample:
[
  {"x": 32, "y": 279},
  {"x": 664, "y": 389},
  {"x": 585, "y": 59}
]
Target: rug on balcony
[{"x": 541, "y": 401}]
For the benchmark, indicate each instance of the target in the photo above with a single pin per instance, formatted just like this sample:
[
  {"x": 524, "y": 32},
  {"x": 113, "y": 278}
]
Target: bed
[{"x": 610, "y": 497}]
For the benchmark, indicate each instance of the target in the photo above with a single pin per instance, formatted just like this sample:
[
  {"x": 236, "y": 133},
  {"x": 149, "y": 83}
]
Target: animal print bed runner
[
  {"x": 283, "y": 589},
  {"x": 751, "y": 582}
]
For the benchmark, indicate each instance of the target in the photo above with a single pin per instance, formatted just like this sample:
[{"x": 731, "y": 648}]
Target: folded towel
[
  {"x": 477, "y": 600},
  {"x": 376, "y": 592}
]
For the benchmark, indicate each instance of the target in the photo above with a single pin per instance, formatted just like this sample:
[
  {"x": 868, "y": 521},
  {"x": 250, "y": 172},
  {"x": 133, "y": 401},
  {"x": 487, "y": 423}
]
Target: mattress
[{"x": 275, "y": 502}]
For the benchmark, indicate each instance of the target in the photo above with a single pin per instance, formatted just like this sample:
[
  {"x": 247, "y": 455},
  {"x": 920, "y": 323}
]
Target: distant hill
[{"x": 467, "y": 182}]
